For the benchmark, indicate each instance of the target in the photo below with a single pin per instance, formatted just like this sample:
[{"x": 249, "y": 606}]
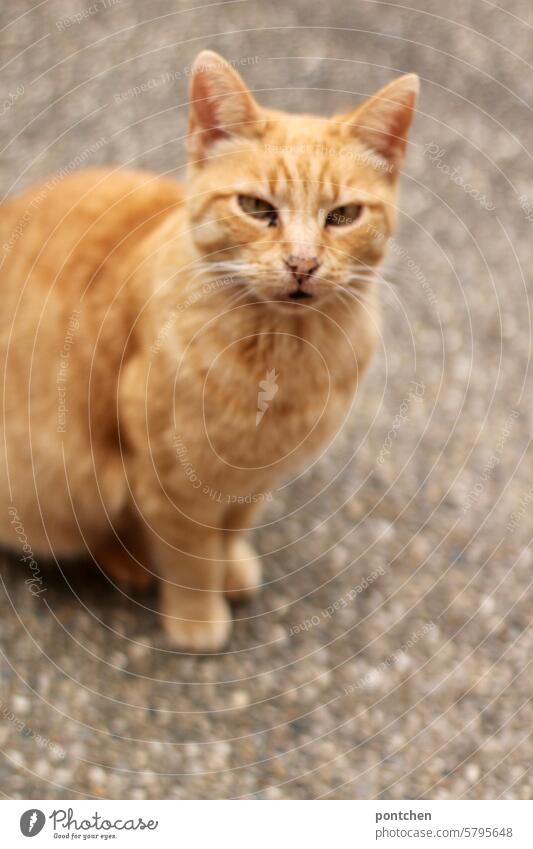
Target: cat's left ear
[
  {"x": 221, "y": 106},
  {"x": 383, "y": 120}
]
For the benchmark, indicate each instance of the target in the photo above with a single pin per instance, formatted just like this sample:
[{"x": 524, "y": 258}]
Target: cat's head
[{"x": 295, "y": 208}]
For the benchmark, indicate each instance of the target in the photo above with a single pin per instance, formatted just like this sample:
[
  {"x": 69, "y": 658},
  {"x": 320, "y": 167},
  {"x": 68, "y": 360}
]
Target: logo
[
  {"x": 32, "y": 822},
  {"x": 268, "y": 388}
]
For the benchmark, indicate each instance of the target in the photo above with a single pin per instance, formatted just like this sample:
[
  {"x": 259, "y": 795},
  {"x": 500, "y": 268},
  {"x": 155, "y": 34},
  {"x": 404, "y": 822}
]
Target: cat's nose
[{"x": 301, "y": 266}]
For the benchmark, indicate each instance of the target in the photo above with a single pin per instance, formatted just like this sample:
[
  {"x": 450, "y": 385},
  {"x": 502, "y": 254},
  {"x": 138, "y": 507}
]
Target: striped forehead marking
[{"x": 303, "y": 177}]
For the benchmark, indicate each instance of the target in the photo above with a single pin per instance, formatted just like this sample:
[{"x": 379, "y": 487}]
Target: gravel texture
[{"x": 389, "y": 653}]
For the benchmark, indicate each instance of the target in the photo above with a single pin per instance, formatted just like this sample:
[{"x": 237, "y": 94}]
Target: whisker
[
  {"x": 351, "y": 296},
  {"x": 386, "y": 272},
  {"x": 235, "y": 299}
]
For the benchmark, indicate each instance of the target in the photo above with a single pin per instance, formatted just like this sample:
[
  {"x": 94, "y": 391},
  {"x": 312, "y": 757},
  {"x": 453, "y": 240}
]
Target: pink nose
[{"x": 301, "y": 266}]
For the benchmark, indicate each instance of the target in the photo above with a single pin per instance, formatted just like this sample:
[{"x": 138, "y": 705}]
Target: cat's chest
[{"x": 277, "y": 409}]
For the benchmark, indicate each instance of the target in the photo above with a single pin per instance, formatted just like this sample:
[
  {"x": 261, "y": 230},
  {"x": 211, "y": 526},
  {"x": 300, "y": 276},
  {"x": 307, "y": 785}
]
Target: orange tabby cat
[{"x": 170, "y": 353}]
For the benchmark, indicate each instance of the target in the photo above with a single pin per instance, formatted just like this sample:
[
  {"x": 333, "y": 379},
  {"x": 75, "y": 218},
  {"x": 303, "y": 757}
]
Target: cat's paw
[
  {"x": 205, "y": 634},
  {"x": 243, "y": 571}
]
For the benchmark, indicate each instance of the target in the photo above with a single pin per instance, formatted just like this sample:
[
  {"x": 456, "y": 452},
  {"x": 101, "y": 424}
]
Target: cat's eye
[
  {"x": 342, "y": 216},
  {"x": 259, "y": 208}
]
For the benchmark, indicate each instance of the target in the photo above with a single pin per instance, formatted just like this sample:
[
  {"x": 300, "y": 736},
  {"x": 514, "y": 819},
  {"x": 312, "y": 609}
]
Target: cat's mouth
[{"x": 299, "y": 294}]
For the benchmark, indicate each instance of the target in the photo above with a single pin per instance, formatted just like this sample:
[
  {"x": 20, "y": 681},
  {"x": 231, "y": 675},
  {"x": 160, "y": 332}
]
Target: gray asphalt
[{"x": 389, "y": 655}]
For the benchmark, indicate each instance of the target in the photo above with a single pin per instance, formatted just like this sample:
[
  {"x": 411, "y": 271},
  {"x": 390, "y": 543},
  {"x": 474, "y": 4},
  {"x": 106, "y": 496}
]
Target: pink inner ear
[
  {"x": 394, "y": 135},
  {"x": 205, "y": 108},
  {"x": 389, "y": 130},
  {"x": 401, "y": 121}
]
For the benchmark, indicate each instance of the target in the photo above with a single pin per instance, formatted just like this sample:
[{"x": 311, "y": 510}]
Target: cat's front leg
[
  {"x": 196, "y": 616},
  {"x": 243, "y": 567}
]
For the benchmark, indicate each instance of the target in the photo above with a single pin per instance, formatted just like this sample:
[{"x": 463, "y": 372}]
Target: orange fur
[{"x": 141, "y": 322}]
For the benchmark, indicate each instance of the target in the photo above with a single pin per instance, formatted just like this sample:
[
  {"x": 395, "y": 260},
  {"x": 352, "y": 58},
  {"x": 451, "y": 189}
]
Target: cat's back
[
  {"x": 67, "y": 248},
  {"x": 70, "y": 231}
]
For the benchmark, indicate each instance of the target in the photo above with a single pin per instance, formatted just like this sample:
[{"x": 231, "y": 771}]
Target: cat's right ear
[
  {"x": 382, "y": 122},
  {"x": 221, "y": 106}
]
